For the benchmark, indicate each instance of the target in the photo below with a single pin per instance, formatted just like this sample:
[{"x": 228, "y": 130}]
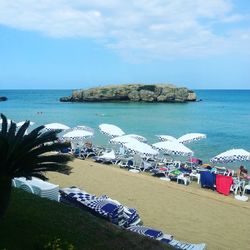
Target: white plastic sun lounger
[{"x": 36, "y": 186}]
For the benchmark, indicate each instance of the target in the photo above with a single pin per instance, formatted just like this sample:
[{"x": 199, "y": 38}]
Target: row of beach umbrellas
[
  {"x": 138, "y": 144},
  {"x": 168, "y": 144}
]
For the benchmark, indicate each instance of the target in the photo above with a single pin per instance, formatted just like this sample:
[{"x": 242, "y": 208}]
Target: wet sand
[{"x": 189, "y": 213}]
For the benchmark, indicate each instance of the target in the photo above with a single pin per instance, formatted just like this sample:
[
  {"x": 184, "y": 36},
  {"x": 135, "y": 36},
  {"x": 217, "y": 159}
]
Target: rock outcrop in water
[
  {"x": 132, "y": 92},
  {"x": 3, "y": 98}
]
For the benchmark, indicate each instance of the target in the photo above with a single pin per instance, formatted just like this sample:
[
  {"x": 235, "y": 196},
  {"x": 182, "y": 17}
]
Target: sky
[{"x": 63, "y": 44}]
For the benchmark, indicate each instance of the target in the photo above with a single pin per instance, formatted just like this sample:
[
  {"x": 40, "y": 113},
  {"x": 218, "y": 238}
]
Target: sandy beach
[{"x": 189, "y": 213}]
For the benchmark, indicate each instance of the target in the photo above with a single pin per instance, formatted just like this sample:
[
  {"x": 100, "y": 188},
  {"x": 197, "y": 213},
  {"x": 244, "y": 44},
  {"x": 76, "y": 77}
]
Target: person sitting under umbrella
[{"x": 242, "y": 172}]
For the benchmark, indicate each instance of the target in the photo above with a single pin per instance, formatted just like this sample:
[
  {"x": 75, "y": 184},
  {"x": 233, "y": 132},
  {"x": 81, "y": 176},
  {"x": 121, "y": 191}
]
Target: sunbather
[{"x": 242, "y": 173}]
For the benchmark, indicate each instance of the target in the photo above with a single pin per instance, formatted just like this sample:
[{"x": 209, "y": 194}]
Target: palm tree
[{"x": 26, "y": 155}]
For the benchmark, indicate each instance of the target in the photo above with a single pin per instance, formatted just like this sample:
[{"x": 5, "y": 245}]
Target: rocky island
[{"x": 133, "y": 93}]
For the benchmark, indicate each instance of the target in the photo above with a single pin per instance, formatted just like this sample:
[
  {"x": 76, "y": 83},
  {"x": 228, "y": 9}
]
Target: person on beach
[
  {"x": 242, "y": 172},
  {"x": 88, "y": 146},
  {"x": 184, "y": 168}
]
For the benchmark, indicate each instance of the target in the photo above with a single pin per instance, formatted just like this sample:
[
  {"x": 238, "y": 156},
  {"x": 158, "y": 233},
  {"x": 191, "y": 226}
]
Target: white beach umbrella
[
  {"x": 56, "y": 126},
  {"x": 137, "y": 137},
  {"x": 191, "y": 137},
  {"x": 8, "y": 122},
  {"x": 77, "y": 135},
  {"x": 166, "y": 138},
  {"x": 140, "y": 148},
  {"x": 127, "y": 138},
  {"x": 111, "y": 130},
  {"x": 232, "y": 155},
  {"x": 19, "y": 124},
  {"x": 122, "y": 139},
  {"x": 83, "y": 127},
  {"x": 174, "y": 148}
]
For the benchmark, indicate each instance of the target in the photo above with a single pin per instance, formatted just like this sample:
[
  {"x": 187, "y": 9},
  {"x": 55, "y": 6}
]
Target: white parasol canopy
[
  {"x": 19, "y": 124},
  {"x": 77, "y": 135},
  {"x": 85, "y": 128},
  {"x": 127, "y": 138},
  {"x": 56, "y": 126},
  {"x": 174, "y": 148},
  {"x": 122, "y": 139},
  {"x": 8, "y": 121},
  {"x": 111, "y": 130},
  {"x": 232, "y": 156},
  {"x": 191, "y": 137},
  {"x": 140, "y": 147},
  {"x": 166, "y": 138},
  {"x": 137, "y": 137}
]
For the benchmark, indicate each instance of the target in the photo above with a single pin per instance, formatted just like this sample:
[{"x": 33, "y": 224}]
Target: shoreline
[{"x": 189, "y": 213}]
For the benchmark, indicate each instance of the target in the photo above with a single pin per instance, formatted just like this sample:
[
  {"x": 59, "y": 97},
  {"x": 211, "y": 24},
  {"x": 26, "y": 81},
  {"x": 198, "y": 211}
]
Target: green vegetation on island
[{"x": 133, "y": 93}]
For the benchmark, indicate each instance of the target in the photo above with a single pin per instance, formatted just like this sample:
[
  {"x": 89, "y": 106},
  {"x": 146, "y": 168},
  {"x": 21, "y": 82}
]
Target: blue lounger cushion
[
  {"x": 146, "y": 231},
  {"x": 102, "y": 205}
]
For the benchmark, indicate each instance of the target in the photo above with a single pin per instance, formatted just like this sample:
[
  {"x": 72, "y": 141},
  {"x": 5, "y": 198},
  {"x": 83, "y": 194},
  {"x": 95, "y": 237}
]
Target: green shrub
[{"x": 148, "y": 87}]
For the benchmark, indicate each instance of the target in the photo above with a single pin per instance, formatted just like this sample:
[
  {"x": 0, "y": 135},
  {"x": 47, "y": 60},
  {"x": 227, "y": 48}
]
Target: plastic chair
[
  {"x": 27, "y": 188},
  {"x": 247, "y": 187},
  {"x": 182, "y": 178}
]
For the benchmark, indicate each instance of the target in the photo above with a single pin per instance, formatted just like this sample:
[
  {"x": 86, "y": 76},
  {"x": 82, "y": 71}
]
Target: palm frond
[
  {"x": 44, "y": 167},
  {"x": 29, "y": 143},
  {"x": 11, "y": 132},
  {"x": 21, "y": 131},
  {"x": 4, "y": 125},
  {"x": 27, "y": 155},
  {"x": 53, "y": 158}
]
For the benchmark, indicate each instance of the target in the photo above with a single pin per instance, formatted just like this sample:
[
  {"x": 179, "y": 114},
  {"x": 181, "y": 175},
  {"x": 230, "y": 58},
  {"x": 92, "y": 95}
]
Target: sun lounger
[
  {"x": 237, "y": 185},
  {"x": 246, "y": 189},
  {"x": 87, "y": 152},
  {"x": 27, "y": 188},
  {"x": 183, "y": 178},
  {"x": 146, "y": 231},
  {"x": 41, "y": 188},
  {"x": 165, "y": 238},
  {"x": 106, "y": 157},
  {"x": 102, "y": 206}
]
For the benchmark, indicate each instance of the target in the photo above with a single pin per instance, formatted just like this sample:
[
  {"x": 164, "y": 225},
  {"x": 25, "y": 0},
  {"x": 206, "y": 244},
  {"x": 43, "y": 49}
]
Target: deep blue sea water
[{"x": 224, "y": 115}]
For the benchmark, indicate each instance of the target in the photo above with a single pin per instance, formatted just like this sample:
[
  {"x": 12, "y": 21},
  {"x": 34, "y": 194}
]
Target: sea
[{"x": 223, "y": 115}]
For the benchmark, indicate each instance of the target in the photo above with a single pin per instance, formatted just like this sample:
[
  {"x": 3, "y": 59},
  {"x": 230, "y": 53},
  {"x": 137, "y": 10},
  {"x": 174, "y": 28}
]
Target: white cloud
[{"x": 144, "y": 29}]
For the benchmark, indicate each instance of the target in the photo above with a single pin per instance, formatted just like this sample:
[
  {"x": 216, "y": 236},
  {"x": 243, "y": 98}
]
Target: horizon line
[{"x": 97, "y": 87}]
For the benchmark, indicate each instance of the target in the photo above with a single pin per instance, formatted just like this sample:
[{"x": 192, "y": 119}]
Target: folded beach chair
[
  {"x": 41, "y": 188},
  {"x": 102, "y": 206},
  {"x": 187, "y": 246},
  {"x": 147, "y": 231},
  {"x": 108, "y": 209},
  {"x": 165, "y": 238},
  {"x": 26, "y": 187},
  {"x": 130, "y": 215}
]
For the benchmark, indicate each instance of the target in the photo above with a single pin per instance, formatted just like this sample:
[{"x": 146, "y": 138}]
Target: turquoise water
[{"x": 224, "y": 115}]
